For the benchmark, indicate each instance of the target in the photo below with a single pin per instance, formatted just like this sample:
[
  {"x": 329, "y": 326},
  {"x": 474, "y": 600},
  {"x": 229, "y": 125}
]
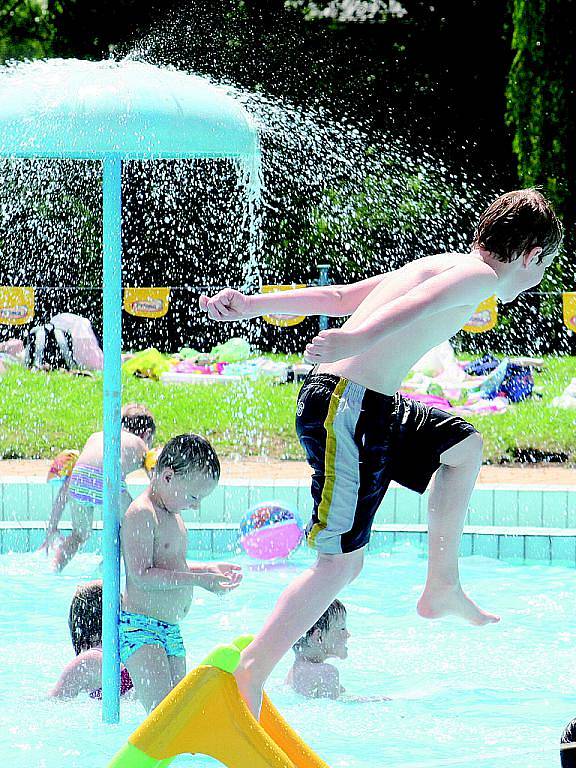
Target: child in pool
[
  {"x": 159, "y": 581},
  {"x": 84, "y": 490},
  {"x": 84, "y": 673},
  {"x": 359, "y": 433},
  {"x": 310, "y": 676}
]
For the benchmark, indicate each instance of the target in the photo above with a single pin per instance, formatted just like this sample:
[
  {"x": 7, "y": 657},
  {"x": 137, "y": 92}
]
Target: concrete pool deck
[{"x": 286, "y": 471}]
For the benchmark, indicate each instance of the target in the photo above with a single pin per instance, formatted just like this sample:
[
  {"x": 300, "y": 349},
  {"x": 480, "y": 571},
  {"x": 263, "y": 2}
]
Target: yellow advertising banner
[
  {"x": 16, "y": 305},
  {"x": 146, "y": 302},
  {"x": 569, "y": 310},
  {"x": 485, "y": 317},
  {"x": 282, "y": 320}
]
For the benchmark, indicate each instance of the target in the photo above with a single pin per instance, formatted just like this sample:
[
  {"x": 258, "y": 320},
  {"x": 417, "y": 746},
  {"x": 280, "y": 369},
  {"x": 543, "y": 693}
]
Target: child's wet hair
[
  {"x": 334, "y": 610},
  {"x": 185, "y": 453},
  {"x": 85, "y": 617},
  {"x": 517, "y": 222},
  {"x": 137, "y": 419},
  {"x": 567, "y": 750}
]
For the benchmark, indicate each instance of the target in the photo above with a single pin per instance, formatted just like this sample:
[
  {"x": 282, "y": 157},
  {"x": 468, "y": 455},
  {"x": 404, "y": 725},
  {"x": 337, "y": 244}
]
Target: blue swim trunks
[{"x": 137, "y": 630}]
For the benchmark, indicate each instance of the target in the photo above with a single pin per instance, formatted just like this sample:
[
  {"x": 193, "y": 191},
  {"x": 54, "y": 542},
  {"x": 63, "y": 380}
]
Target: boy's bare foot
[
  {"x": 251, "y": 693},
  {"x": 437, "y": 601}
]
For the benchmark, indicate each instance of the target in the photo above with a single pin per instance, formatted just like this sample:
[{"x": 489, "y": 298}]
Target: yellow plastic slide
[{"x": 206, "y": 714}]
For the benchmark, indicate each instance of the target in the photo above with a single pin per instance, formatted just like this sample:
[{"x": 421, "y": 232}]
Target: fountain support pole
[
  {"x": 323, "y": 280},
  {"x": 112, "y": 300}
]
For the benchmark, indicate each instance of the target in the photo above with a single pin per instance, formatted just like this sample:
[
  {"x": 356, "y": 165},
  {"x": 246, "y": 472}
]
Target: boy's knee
[
  {"x": 355, "y": 564},
  {"x": 345, "y": 567},
  {"x": 475, "y": 447},
  {"x": 468, "y": 451}
]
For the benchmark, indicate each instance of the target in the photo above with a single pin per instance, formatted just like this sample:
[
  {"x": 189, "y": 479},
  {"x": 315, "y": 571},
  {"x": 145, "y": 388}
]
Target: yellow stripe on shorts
[{"x": 329, "y": 464}]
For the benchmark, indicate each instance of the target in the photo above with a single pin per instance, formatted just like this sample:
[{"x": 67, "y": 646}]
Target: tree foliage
[
  {"x": 25, "y": 30},
  {"x": 437, "y": 78},
  {"x": 541, "y": 105}
]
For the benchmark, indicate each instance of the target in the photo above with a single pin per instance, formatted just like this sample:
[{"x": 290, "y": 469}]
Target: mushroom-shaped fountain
[{"x": 113, "y": 112}]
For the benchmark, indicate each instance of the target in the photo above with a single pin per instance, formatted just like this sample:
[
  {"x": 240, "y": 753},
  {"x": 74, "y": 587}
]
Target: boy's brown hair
[
  {"x": 188, "y": 452},
  {"x": 334, "y": 610},
  {"x": 517, "y": 222},
  {"x": 137, "y": 419},
  {"x": 85, "y": 617}
]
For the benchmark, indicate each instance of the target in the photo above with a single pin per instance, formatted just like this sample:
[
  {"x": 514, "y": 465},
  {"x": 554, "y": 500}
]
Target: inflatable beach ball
[{"x": 270, "y": 530}]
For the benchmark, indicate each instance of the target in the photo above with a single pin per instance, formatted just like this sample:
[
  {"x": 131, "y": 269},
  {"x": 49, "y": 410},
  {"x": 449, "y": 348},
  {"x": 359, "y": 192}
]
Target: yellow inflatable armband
[
  {"x": 62, "y": 465},
  {"x": 147, "y": 302},
  {"x": 151, "y": 458},
  {"x": 16, "y": 305},
  {"x": 283, "y": 321}
]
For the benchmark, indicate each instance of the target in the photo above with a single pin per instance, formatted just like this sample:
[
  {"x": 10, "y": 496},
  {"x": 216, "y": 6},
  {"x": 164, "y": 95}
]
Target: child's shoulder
[
  {"x": 141, "y": 510},
  {"x": 318, "y": 680},
  {"x": 134, "y": 451},
  {"x": 321, "y": 670},
  {"x": 90, "y": 658},
  {"x": 93, "y": 438},
  {"x": 129, "y": 439},
  {"x": 470, "y": 276},
  {"x": 328, "y": 670},
  {"x": 82, "y": 673},
  {"x": 439, "y": 262},
  {"x": 86, "y": 665}
]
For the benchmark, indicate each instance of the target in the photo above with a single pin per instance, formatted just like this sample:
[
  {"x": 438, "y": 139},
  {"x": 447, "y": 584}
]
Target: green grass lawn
[{"x": 41, "y": 413}]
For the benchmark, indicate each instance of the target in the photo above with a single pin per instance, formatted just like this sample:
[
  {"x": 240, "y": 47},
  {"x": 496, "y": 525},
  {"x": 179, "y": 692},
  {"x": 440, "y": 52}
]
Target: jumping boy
[
  {"x": 159, "y": 581},
  {"x": 359, "y": 433},
  {"x": 85, "y": 486}
]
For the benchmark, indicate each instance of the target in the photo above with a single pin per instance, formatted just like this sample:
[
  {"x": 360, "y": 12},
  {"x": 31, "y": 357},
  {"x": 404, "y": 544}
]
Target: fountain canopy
[{"x": 93, "y": 110}]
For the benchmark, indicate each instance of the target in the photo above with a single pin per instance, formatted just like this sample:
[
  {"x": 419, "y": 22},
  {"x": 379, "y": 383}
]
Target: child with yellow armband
[{"x": 82, "y": 489}]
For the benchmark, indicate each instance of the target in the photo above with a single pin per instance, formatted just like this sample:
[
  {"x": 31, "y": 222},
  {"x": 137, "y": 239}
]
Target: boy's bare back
[
  {"x": 132, "y": 451},
  {"x": 461, "y": 281}
]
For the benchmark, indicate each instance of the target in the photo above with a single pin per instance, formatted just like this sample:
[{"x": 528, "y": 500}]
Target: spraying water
[{"x": 333, "y": 191}]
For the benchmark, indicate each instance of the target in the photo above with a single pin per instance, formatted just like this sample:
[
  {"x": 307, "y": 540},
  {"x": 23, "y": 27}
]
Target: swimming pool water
[{"x": 461, "y": 696}]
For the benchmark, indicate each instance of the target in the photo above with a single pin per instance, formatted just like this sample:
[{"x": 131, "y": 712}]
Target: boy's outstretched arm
[
  {"x": 334, "y": 300},
  {"x": 450, "y": 289}
]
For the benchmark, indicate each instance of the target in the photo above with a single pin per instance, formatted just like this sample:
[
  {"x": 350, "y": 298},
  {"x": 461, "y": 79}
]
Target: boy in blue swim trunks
[
  {"x": 85, "y": 486},
  {"x": 159, "y": 581},
  {"x": 359, "y": 433}
]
